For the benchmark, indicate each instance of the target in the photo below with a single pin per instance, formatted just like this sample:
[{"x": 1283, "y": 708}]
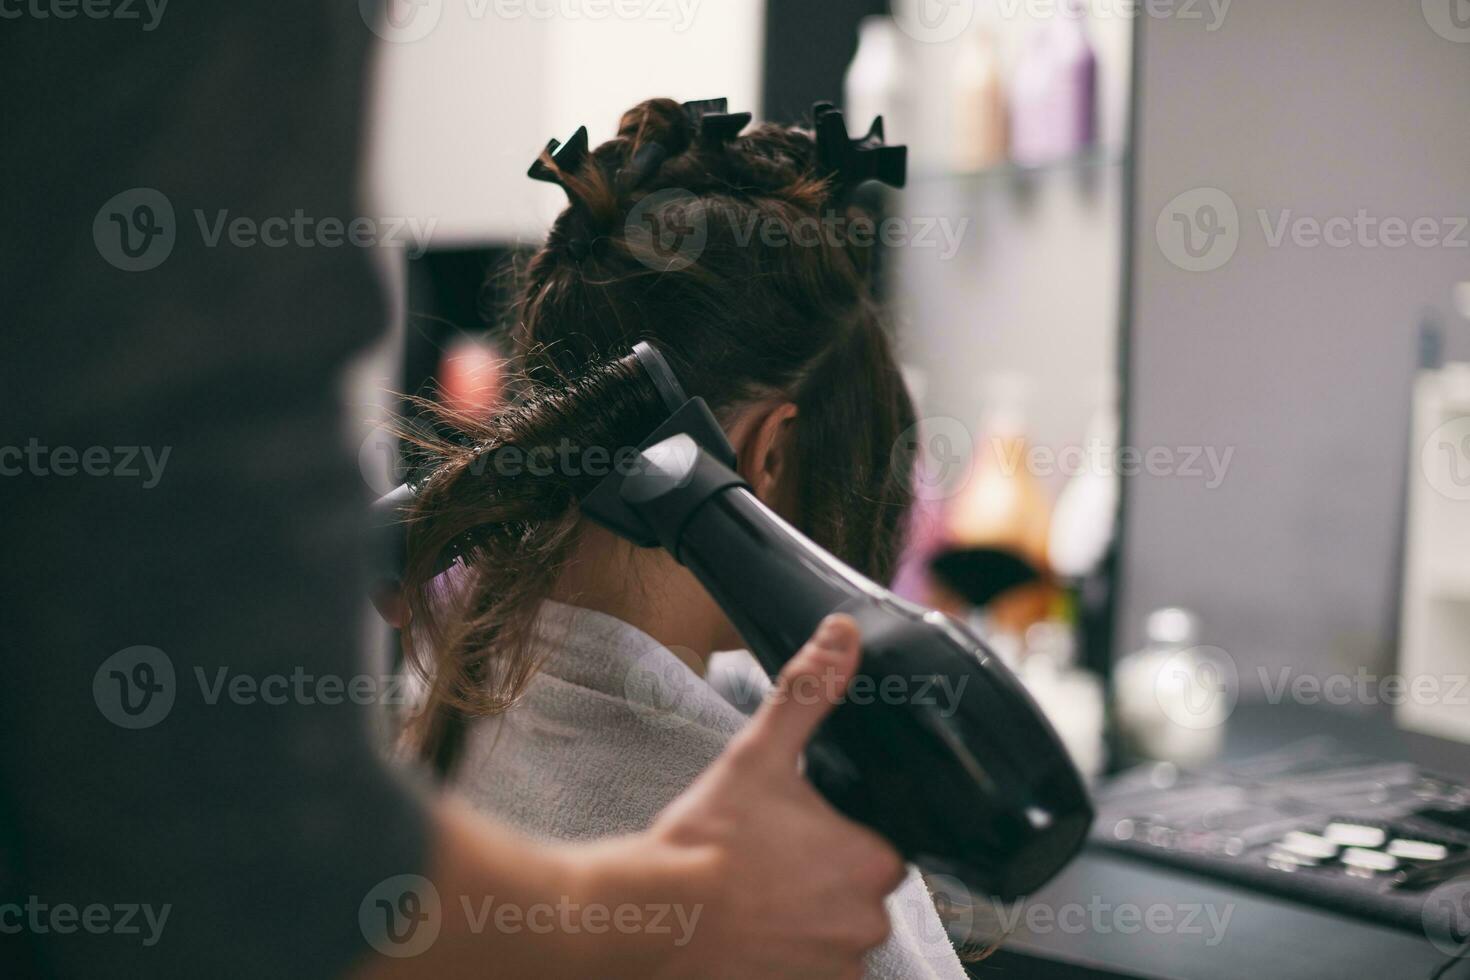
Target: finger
[
  {"x": 868, "y": 856},
  {"x": 811, "y": 683},
  {"x": 888, "y": 868}
]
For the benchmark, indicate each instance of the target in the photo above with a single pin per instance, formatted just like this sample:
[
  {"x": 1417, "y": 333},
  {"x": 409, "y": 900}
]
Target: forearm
[{"x": 510, "y": 907}]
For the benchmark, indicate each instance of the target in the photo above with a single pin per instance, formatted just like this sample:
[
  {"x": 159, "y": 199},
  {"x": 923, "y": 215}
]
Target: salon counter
[{"x": 1099, "y": 902}]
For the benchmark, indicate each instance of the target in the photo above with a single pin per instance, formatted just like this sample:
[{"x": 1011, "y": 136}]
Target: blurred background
[{"x": 1181, "y": 289}]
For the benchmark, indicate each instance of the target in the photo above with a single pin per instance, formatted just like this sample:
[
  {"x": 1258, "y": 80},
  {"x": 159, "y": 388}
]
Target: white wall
[{"x": 460, "y": 113}]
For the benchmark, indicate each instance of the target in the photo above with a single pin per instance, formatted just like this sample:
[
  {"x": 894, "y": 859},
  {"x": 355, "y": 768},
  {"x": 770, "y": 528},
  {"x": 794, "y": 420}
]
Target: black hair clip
[
  {"x": 709, "y": 121},
  {"x": 650, "y": 157},
  {"x": 713, "y": 120},
  {"x": 851, "y": 162},
  {"x": 567, "y": 159}
]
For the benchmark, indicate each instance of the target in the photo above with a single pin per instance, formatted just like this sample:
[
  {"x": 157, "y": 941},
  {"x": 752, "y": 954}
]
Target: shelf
[{"x": 1093, "y": 158}]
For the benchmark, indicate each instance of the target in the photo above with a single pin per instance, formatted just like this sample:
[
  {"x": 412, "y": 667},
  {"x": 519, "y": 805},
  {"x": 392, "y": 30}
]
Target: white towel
[{"x": 612, "y": 728}]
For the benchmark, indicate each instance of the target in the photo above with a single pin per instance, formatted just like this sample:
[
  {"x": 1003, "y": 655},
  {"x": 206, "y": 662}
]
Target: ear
[{"x": 764, "y": 441}]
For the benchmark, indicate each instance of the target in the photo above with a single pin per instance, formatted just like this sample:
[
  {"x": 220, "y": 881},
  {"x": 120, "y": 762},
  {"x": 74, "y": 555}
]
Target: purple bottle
[{"x": 1054, "y": 93}]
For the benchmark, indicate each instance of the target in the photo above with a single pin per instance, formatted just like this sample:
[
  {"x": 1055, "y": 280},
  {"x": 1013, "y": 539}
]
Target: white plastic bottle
[
  {"x": 1086, "y": 513},
  {"x": 877, "y": 82},
  {"x": 1070, "y": 697},
  {"x": 1168, "y": 702}
]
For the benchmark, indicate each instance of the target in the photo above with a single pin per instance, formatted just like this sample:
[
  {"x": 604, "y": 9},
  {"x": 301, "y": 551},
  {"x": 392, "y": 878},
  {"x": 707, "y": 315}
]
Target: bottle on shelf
[
  {"x": 979, "y": 125},
  {"x": 1070, "y": 697},
  {"x": 1003, "y": 511},
  {"x": 1054, "y": 92},
  {"x": 1168, "y": 699},
  {"x": 877, "y": 81},
  {"x": 1085, "y": 517}
]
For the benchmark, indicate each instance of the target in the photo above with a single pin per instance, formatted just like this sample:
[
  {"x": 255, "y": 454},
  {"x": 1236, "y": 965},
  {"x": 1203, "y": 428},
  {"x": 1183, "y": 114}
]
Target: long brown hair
[{"x": 740, "y": 314}]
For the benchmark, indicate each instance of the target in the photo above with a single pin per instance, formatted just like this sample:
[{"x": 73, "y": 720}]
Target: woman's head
[{"x": 733, "y": 258}]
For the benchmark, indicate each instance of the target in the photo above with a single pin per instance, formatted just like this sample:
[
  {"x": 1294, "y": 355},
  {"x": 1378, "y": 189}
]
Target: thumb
[{"x": 810, "y": 685}]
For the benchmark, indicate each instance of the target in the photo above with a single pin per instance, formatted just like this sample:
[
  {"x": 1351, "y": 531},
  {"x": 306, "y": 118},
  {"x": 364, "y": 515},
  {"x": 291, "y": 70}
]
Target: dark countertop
[{"x": 1211, "y": 929}]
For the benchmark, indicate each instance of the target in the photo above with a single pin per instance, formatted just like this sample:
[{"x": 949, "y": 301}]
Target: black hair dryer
[
  {"x": 950, "y": 760},
  {"x": 964, "y": 777}
]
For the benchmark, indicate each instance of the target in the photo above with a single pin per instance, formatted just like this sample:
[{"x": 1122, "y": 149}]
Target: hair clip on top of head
[
  {"x": 852, "y": 162},
  {"x": 714, "y": 122},
  {"x": 711, "y": 124},
  {"x": 566, "y": 157}
]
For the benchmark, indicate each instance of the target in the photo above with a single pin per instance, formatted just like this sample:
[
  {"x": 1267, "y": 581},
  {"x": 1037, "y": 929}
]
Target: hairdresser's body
[{"x": 538, "y": 651}]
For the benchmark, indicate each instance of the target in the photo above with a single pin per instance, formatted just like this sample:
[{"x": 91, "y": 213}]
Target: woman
[{"x": 566, "y": 666}]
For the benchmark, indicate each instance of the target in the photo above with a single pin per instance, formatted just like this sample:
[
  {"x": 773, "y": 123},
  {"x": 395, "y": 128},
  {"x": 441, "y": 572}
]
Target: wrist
[{"x": 652, "y": 895}]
